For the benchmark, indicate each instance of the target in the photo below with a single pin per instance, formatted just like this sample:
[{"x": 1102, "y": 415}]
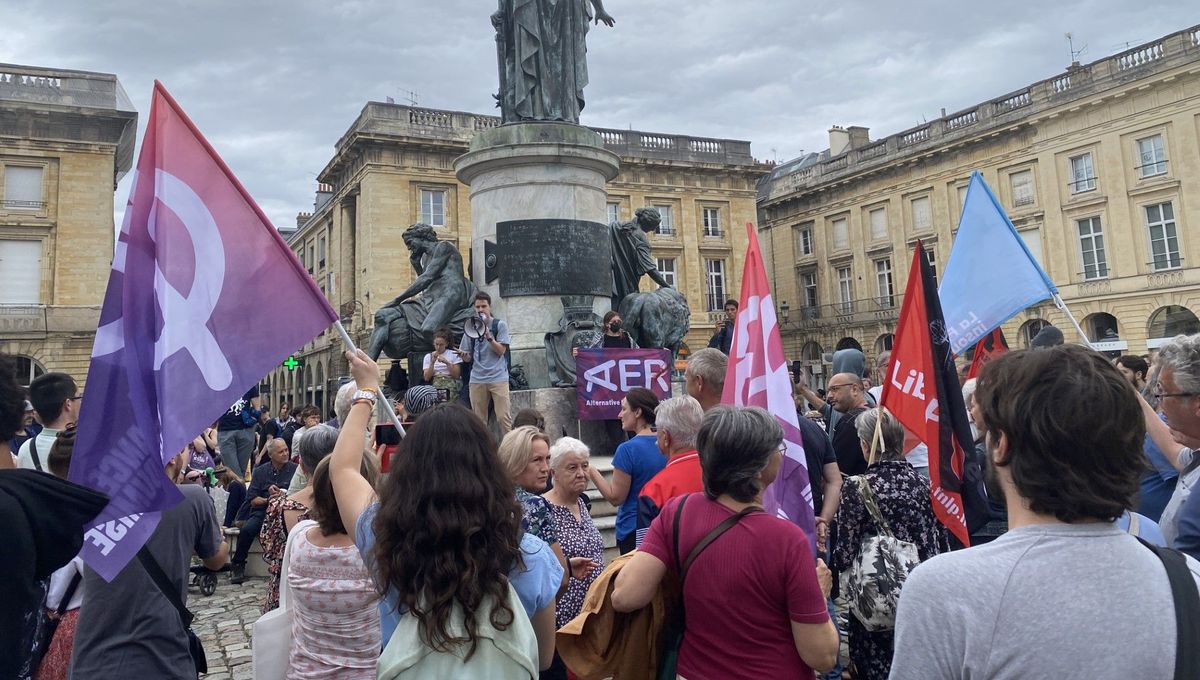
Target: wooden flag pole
[{"x": 380, "y": 404}]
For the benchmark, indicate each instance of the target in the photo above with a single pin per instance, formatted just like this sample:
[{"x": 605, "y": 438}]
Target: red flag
[
  {"x": 922, "y": 391},
  {"x": 990, "y": 347},
  {"x": 758, "y": 376}
]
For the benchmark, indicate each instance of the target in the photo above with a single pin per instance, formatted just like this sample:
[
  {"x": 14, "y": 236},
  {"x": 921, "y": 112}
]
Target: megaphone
[{"x": 474, "y": 326}]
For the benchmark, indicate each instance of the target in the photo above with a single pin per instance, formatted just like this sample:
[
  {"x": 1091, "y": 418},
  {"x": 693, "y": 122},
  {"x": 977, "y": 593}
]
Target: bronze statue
[
  {"x": 542, "y": 55},
  {"x": 407, "y": 323},
  {"x": 658, "y": 318}
]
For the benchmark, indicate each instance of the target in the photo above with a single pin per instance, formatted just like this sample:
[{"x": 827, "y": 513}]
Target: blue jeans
[{"x": 836, "y": 673}]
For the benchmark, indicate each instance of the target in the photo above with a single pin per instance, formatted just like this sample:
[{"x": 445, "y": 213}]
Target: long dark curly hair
[{"x": 448, "y": 528}]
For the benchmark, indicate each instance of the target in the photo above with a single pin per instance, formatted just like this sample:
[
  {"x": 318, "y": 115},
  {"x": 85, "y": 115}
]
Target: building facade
[
  {"x": 66, "y": 139},
  {"x": 394, "y": 167},
  {"x": 1099, "y": 169}
]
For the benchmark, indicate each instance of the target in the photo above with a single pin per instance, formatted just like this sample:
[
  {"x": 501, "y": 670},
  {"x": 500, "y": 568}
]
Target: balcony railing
[
  {"x": 862, "y": 312},
  {"x": 14, "y": 204}
]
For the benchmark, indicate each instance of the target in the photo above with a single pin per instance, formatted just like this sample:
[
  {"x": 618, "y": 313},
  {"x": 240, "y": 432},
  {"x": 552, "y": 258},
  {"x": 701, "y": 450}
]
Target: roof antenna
[{"x": 1075, "y": 53}]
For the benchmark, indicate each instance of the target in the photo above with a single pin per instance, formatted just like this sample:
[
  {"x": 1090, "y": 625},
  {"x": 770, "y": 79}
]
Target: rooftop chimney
[
  {"x": 839, "y": 140},
  {"x": 859, "y": 136}
]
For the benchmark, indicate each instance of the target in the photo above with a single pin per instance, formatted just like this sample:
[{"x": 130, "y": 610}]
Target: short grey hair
[
  {"x": 564, "y": 447},
  {"x": 681, "y": 416},
  {"x": 891, "y": 430},
  {"x": 881, "y": 361},
  {"x": 341, "y": 404},
  {"x": 735, "y": 445},
  {"x": 968, "y": 390},
  {"x": 315, "y": 445},
  {"x": 1181, "y": 354},
  {"x": 709, "y": 363}
]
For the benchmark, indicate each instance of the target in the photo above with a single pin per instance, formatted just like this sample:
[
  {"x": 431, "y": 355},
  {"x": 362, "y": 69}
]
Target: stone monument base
[{"x": 539, "y": 215}]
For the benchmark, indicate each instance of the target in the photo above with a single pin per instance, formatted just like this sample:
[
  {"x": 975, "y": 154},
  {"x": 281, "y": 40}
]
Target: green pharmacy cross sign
[{"x": 292, "y": 363}]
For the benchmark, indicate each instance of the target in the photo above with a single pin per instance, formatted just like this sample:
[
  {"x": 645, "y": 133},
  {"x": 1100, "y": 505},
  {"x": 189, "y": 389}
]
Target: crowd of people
[{"x": 477, "y": 555}]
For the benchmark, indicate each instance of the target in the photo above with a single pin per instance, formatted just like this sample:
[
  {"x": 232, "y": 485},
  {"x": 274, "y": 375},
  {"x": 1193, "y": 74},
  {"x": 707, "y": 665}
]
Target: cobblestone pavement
[{"x": 223, "y": 622}]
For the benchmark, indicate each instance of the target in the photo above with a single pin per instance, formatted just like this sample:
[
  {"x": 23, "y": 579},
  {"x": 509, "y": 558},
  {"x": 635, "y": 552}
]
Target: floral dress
[
  {"x": 903, "y": 498},
  {"x": 537, "y": 518},
  {"x": 578, "y": 538},
  {"x": 273, "y": 537}
]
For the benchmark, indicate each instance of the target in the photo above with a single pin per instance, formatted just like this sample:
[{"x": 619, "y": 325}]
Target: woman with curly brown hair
[{"x": 466, "y": 591}]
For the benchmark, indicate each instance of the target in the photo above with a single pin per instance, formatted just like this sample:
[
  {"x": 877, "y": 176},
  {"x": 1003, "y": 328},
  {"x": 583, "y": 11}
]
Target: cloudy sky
[{"x": 273, "y": 84}]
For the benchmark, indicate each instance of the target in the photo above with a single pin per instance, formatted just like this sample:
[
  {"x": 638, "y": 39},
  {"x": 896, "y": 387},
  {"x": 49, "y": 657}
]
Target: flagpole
[
  {"x": 389, "y": 410},
  {"x": 1058, "y": 302}
]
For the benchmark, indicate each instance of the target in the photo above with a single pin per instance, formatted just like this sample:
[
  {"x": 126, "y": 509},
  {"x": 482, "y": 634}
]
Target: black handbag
[
  {"x": 195, "y": 648},
  {"x": 50, "y": 623}
]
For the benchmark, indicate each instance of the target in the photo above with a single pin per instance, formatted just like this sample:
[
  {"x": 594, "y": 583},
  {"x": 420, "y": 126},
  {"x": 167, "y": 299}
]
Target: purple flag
[
  {"x": 182, "y": 334},
  {"x": 604, "y": 376}
]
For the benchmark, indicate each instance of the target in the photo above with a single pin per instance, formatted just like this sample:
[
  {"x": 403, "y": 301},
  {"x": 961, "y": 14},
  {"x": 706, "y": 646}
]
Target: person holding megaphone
[{"x": 484, "y": 346}]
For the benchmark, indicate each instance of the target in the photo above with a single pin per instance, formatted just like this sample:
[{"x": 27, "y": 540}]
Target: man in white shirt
[{"x": 55, "y": 398}]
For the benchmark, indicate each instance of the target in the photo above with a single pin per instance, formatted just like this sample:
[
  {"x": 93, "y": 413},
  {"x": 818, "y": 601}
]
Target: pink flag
[
  {"x": 184, "y": 330},
  {"x": 758, "y": 376}
]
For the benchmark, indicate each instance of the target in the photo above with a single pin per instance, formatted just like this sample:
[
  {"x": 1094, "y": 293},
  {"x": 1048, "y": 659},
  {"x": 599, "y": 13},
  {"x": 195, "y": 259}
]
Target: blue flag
[{"x": 991, "y": 276}]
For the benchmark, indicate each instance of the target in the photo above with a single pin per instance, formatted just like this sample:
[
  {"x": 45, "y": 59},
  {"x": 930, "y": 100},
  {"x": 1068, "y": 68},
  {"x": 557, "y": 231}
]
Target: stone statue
[
  {"x": 406, "y": 324},
  {"x": 658, "y": 318},
  {"x": 542, "y": 54}
]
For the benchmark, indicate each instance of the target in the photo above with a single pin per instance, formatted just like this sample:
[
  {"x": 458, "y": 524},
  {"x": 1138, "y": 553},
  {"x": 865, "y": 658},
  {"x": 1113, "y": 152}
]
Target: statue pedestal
[{"x": 539, "y": 222}]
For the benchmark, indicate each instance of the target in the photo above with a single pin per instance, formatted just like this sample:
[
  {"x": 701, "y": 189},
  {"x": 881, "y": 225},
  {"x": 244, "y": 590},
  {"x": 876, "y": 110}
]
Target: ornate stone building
[
  {"x": 66, "y": 138},
  {"x": 1098, "y": 167},
  {"x": 394, "y": 167}
]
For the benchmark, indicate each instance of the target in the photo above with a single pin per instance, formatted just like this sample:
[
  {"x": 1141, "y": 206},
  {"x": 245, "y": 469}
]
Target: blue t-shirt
[
  {"x": 641, "y": 460},
  {"x": 487, "y": 366},
  {"x": 1148, "y": 529},
  {"x": 1158, "y": 483},
  {"x": 536, "y": 584}
]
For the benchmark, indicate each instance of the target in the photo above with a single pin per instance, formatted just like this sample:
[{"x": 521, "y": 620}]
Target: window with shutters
[
  {"x": 23, "y": 188},
  {"x": 879, "y": 223},
  {"x": 922, "y": 216},
  {"x": 841, "y": 233},
  {"x": 1021, "y": 184},
  {"x": 21, "y": 272}
]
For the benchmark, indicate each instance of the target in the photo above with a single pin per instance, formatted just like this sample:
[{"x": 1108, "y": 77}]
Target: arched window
[
  {"x": 1030, "y": 329},
  {"x": 319, "y": 391},
  {"x": 28, "y": 368},
  {"x": 848, "y": 343},
  {"x": 812, "y": 364},
  {"x": 884, "y": 343},
  {"x": 1101, "y": 327},
  {"x": 1167, "y": 322}
]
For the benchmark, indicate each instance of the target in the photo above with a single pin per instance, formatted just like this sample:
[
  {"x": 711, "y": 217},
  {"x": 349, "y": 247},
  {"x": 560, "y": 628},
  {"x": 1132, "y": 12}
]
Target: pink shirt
[{"x": 741, "y": 593}]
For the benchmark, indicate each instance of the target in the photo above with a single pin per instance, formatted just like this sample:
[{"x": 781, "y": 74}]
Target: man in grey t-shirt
[
  {"x": 489, "y": 367},
  {"x": 128, "y": 628},
  {"x": 1063, "y": 594}
]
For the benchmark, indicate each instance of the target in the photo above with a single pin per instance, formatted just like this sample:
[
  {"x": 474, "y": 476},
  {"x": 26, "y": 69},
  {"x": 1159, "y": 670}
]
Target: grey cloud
[{"x": 274, "y": 84}]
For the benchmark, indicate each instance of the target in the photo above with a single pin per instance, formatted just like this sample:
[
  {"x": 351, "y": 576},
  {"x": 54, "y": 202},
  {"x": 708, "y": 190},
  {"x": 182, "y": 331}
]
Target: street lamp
[{"x": 784, "y": 311}]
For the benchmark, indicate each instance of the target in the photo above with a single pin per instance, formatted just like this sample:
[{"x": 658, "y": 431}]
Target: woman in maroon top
[{"x": 754, "y": 600}]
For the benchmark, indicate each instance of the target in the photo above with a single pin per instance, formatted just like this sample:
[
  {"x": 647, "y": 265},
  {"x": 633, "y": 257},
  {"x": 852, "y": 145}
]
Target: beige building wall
[
  {"x": 372, "y": 191},
  {"x": 1062, "y": 155},
  {"x": 77, "y": 130}
]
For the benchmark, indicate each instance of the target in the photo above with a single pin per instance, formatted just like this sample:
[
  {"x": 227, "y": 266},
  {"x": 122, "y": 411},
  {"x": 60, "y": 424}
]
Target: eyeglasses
[{"x": 1159, "y": 394}]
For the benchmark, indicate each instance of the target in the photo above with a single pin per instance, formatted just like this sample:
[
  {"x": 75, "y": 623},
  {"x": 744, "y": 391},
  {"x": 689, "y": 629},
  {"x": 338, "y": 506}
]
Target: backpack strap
[
  {"x": 675, "y": 529},
  {"x": 164, "y": 585},
  {"x": 868, "y": 496},
  {"x": 33, "y": 452},
  {"x": 1186, "y": 599}
]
